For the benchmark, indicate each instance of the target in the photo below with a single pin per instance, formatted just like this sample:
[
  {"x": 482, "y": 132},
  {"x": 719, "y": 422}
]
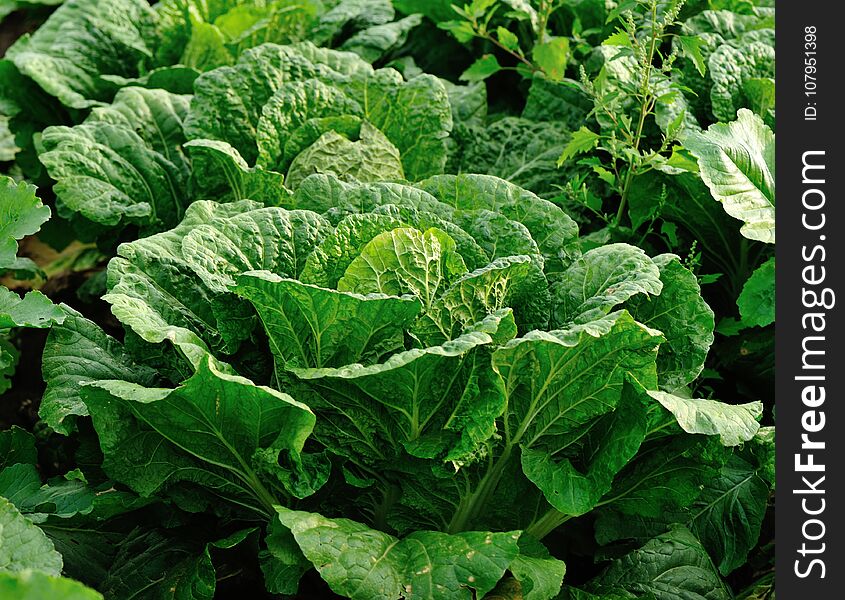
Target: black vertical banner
[{"x": 810, "y": 262}]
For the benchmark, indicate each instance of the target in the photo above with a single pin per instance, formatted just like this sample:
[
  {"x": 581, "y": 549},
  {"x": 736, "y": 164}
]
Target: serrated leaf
[
  {"x": 582, "y": 141},
  {"x": 691, "y": 46}
]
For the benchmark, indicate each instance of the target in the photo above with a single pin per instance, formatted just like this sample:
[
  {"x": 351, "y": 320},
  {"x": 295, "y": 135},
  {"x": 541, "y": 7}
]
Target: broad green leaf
[
  {"x": 292, "y": 105},
  {"x": 283, "y": 563},
  {"x": 375, "y": 42},
  {"x": 664, "y": 476},
  {"x": 415, "y": 116},
  {"x": 35, "y": 585},
  {"x": 151, "y": 562},
  {"x": 365, "y": 564},
  {"x": 219, "y": 172},
  {"x": 23, "y": 545},
  {"x": 733, "y": 423},
  {"x": 760, "y": 92},
  {"x": 481, "y": 69},
  {"x": 350, "y": 15},
  {"x": 731, "y": 68},
  {"x": 33, "y": 310},
  {"x": 81, "y": 41},
  {"x": 728, "y": 515},
  {"x": 18, "y": 483},
  {"x": 312, "y": 327},
  {"x": 600, "y": 280},
  {"x": 521, "y": 151},
  {"x": 557, "y": 382},
  {"x": 684, "y": 318},
  {"x": 539, "y": 574},
  {"x": 405, "y": 261},
  {"x": 370, "y": 158},
  {"x": 253, "y": 80},
  {"x": 76, "y": 352},
  {"x": 757, "y": 300},
  {"x": 190, "y": 290},
  {"x": 21, "y": 214},
  {"x": 124, "y": 163},
  {"x": 555, "y": 233},
  {"x": 327, "y": 264},
  {"x": 607, "y": 447},
  {"x": 551, "y": 56},
  {"x": 737, "y": 162},
  {"x": 17, "y": 446},
  {"x": 206, "y": 432},
  {"x": 582, "y": 141},
  {"x": 672, "y": 566},
  {"x": 370, "y": 412}
]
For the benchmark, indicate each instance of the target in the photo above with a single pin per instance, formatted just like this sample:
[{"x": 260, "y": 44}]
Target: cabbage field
[{"x": 382, "y": 300}]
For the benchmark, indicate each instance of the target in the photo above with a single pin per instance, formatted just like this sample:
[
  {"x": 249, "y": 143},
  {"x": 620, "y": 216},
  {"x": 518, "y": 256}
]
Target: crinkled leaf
[
  {"x": 370, "y": 158},
  {"x": 672, "y": 566},
  {"x": 219, "y": 172},
  {"x": 434, "y": 400},
  {"x": 23, "y": 545},
  {"x": 737, "y": 162},
  {"x": 21, "y": 214},
  {"x": 206, "y": 432},
  {"x": 76, "y": 352},
  {"x": 212, "y": 245},
  {"x": 600, "y": 280},
  {"x": 125, "y": 162},
  {"x": 365, "y": 564},
  {"x": 405, "y": 261},
  {"x": 521, "y": 151},
  {"x": 312, "y": 327},
  {"x": 557, "y": 382},
  {"x": 555, "y": 233},
  {"x": 684, "y": 318},
  {"x": 733, "y": 423},
  {"x": 81, "y": 41},
  {"x": 373, "y": 43},
  {"x": 294, "y": 104}
]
